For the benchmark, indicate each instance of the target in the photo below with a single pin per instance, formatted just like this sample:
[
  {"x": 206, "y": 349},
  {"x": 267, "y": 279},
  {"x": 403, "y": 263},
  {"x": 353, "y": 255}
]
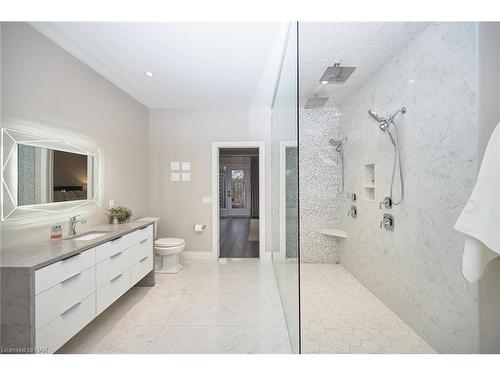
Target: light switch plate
[
  {"x": 174, "y": 177},
  {"x": 186, "y": 166},
  {"x": 174, "y": 166},
  {"x": 186, "y": 176},
  {"x": 207, "y": 200}
]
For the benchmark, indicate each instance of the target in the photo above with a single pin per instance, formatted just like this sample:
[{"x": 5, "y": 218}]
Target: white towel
[{"x": 480, "y": 219}]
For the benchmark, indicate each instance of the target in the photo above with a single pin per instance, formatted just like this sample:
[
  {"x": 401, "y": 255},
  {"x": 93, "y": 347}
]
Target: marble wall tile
[{"x": 416, "y": 270}]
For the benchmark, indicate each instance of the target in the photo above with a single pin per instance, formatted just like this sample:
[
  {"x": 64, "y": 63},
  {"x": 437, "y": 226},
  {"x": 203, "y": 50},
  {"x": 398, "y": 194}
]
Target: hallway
[{"x": 234, "y": 234}]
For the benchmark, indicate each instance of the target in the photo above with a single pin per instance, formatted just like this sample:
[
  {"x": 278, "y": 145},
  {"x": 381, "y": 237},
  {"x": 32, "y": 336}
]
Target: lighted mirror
[{"x": 46, "y": 175}]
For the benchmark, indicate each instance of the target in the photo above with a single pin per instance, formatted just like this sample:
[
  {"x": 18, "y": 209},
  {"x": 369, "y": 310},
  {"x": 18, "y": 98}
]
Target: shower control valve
[
  {"x": 387, "y": 222},
  {"x": 352, "y": 196},
  {"x": 353, "y": 212},
  {"x": 387, "y": 203}
]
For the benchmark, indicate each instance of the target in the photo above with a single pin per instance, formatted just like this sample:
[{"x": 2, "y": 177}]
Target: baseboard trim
[
  {"x": 209, "y": 255},
  {"x": 196, "y": 255},
  {"x": 266, "y": 255}
]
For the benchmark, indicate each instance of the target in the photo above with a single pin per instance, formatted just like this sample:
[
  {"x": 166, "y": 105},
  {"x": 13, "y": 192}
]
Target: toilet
[{"x": 167, "y": 250}]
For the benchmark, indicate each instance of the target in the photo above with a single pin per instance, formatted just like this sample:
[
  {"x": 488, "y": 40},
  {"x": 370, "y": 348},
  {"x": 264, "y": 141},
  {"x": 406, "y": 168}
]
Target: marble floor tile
[
  {"x": 140, "y": 306},
  {"x": 87, "y": 340},
  {"x": 228, "y": 310},
  {"x": 209, "y": 307},
  {"x": 188, "y": 268},
  {"x": 129, "y": 339},
  {"x": 173, "y": 283},
  {"x": 239, "y": 266},
  {"x": 339, "y": 315},
  {"x": 99, "y": 338},
  {"x": 211, "y": 283},
  {"x": 222, "y": 340}
]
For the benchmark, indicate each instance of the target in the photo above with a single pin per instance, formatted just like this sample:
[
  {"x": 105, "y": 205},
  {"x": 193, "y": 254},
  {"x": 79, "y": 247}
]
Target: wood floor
[{"x": 234, "y": 238}]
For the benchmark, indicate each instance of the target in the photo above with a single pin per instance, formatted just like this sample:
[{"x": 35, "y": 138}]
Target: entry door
[{"x": 238, "y": 190}]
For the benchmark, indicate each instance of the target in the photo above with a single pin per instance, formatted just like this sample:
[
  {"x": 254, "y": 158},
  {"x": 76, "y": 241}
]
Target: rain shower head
[
  {"x": 337, "y": 74},
  {"x": 316, "y": 102}
]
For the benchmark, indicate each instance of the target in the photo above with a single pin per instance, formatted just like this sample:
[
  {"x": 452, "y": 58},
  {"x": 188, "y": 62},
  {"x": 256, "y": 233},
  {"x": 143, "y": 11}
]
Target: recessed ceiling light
[
  {"x": 149, "y": 74},
  {"x": 324, "y": 82}
]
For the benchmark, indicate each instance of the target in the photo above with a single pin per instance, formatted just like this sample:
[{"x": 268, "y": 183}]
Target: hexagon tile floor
[{"x": 339, "y": 315}]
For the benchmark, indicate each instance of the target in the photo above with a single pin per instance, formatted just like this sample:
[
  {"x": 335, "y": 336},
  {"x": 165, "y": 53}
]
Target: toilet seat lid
[{"x": 169, "y": 242}]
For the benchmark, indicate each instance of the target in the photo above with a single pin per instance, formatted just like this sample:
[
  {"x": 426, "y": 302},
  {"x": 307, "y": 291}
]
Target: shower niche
[{"x": 369, "y": 182}]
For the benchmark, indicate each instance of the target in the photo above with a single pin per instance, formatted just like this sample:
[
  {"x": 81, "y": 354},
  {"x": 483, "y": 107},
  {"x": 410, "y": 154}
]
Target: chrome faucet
[{"x": 72, "y": 224}]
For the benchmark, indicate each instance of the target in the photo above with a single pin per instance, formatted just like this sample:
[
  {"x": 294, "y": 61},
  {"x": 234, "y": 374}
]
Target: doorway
[{"x": 238, "y": 181}]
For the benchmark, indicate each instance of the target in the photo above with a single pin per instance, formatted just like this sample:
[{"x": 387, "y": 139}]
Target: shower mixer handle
[
  {"x": 387, "y": 203},
  {"x": 352, "y": 196},
  {"x": 353, "y": 212},
  {"x": 387, "y": 222}
]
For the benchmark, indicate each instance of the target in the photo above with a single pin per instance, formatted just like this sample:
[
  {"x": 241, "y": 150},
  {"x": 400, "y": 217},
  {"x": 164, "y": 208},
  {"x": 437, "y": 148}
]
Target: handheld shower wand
[
  {"x": 339, "y": 147},
  {"x": 384, "y": 124}
]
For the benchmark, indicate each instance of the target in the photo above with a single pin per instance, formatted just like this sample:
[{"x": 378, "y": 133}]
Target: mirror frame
[{"x": 10, "y": 139}]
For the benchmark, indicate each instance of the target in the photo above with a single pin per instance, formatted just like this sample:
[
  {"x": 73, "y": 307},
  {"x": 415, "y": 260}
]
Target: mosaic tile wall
[
  {"x": 318, "y": 178},
  {"x": 26, "y": 190},
  {"x": 291, "y": 203}
]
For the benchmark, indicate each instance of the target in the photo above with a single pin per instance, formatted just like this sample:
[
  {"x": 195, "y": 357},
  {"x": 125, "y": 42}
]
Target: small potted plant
[{"x": 118, "y": 215}]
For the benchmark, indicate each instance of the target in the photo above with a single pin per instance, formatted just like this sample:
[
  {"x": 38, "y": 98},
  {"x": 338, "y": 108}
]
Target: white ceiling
[
  {"x": 227, "y": 64},
  {"x": 195, "y": 64},
  {"x": 365, "y": 45}
]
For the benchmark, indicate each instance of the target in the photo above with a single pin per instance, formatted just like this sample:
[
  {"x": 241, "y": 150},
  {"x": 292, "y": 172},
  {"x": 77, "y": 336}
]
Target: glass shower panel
[
  {"x": 284, "y": 193},
  {"x": 387, "y": 163}
]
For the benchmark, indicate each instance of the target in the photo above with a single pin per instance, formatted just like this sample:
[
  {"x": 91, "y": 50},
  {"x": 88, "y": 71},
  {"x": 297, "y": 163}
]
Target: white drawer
[
  {"x": 142, "y": 234},
  {"x": 114, "y": 265},
  {"x": 55, "y": 273},
  {"x": 110, "y": 248},
  {"x": 113, "y": 290},
  {"x": 140, "y": 250},
  {"x": 60, "y": 330},
  {"x": 54, "y": 301},
  {"x": 141, "y": 269}
]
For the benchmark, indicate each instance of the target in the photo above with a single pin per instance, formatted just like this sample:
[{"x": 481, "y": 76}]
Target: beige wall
[
  {"x": 187, "y": 135},
  {"x": 489, "y": 117},
  {"x": 45, "y": 89}
]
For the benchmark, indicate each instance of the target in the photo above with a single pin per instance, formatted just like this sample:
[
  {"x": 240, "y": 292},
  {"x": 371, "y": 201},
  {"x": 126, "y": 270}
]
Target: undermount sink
[{"x": 87, "y": 236}]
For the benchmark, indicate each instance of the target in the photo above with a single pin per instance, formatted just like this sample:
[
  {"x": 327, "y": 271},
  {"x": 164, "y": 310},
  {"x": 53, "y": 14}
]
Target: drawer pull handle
[
  {"x": 144, "y": 240},
  {"x": 71, "y": 308},
  {"x": 115, "y": 255},
  {"x": 116, "y": 277},
  {"x": 75, "y": 276},
  {"x": 143, "y": 259},
  {"x": 116, "y": 239}
]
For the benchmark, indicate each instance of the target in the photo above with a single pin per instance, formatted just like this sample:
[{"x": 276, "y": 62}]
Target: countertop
[{"x": 42, "y": 253}]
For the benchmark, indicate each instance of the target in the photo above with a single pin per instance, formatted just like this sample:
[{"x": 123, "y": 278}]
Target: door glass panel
[{"x": 238, "y": 188}]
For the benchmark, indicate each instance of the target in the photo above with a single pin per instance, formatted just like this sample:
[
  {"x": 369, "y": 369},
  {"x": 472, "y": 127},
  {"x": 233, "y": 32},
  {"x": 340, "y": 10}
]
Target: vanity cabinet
[{"x": 72, "y": 292}]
